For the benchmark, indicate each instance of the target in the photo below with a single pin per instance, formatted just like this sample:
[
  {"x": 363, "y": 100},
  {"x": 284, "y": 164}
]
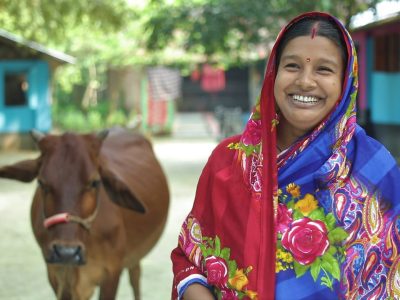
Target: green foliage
[
  {"x": 116, "y": 118},
  {"x": 232, "y": 30},
  {"x": 51, "y": 21},
  {"x": 73, "y": 121},
  {"x": 71, "y": 118},
  {"x": 210, "y": 28},
  {"x": 94, "y": 119}
]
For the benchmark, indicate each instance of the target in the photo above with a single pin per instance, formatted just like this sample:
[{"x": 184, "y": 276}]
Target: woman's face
[{"x": 308, "y": 83}]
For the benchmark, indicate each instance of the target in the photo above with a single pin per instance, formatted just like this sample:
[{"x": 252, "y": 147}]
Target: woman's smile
[{"x": 304, "y": 99}]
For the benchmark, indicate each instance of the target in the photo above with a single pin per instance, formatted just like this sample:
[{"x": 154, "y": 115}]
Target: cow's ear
[
  {"x": 37, "y": 136},
  {"x": 102, "y": 135},
  {"x": 119, "y": 192},
  {"x": 24, "y": 171}
]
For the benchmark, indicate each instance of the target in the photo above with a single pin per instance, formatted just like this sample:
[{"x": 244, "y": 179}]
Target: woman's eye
[
  {"x": 291, "y": 66},
  {"x": 325, "y": 70}
]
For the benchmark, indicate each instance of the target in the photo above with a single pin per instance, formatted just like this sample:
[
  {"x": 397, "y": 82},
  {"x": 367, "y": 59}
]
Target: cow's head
[{"x": 71, "y": 177}]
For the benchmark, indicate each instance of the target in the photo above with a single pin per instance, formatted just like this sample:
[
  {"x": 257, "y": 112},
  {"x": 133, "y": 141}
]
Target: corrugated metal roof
[
  {"x": 388, "y": 20},
  {"x": 54, "y": 54}
]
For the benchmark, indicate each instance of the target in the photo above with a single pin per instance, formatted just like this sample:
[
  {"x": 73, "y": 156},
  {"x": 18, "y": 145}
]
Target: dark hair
[{"x": 322, "y": 27}]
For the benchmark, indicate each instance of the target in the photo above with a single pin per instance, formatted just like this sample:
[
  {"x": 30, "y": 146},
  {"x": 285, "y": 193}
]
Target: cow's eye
[
  {"x": 42, "y": 185},
  {"x": 94, "y": 184}
]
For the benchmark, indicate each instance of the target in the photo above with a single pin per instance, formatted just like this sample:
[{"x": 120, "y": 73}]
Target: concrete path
[{"x": 22, "y": 270}]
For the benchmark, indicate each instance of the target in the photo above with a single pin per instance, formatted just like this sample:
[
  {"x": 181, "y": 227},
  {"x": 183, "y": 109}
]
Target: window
[
  {"x": 16, "y": 88},
  {"x": 387, "y": 52}
]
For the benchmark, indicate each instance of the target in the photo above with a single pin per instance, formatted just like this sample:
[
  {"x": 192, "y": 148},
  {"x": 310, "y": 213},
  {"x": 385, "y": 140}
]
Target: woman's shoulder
[
  {"x": 371, "y": 147},
  {"x": 223, "y": 144},
  {"x": 373, "y": 161},
  {"x": 222, "y": 153}
]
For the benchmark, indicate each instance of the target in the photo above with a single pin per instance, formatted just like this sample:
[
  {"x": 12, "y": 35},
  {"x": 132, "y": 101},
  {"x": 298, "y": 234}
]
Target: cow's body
[{"x": 91, "y": 180}]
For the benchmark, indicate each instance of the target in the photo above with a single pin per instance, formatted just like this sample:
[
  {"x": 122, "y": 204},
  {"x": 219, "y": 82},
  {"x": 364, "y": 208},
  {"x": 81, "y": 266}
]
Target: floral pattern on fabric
[
  {"x": 308, "y": 238},
  {"x": 366, "y": 260},
  {"x": 190, "y": 238},
  {"x": 250, "y": 141},
  {"x": 222, "y": 272},
  {"x": 249, "y": 152}
]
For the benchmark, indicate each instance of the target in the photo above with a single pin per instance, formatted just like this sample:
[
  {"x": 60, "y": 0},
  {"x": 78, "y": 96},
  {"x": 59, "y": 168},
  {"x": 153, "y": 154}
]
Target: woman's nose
[{"x": 306, "y": 80}]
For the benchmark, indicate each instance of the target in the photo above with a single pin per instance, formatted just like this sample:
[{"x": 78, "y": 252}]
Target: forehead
[
  {"x": 312, "y": 47},
  {"x": 69, "y": 159}
]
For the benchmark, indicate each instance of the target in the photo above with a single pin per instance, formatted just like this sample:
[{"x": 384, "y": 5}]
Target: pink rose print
[
  {"x": 217, "y": 271},
  {"x": 252, "y": 134},
  {"x": 228, "y": 294},
  {"x": 306, "y": 240},
  {"x": 284, "y": 218}
]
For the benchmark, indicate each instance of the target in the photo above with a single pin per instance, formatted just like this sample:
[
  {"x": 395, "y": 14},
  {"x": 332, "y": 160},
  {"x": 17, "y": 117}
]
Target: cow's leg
[
  {"x": 134, "y": 276},
  {"x": 108, "y": 288}
]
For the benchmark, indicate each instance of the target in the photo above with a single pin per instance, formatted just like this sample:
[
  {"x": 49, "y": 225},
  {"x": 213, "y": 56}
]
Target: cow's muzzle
[{"x": 66, "y": 254}]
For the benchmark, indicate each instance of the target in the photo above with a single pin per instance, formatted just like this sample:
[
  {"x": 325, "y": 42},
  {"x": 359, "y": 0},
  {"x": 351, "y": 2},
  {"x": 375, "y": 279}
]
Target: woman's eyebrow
[
  {"x": 290, "y": 56},
  {"x": 328, "y": 61}
]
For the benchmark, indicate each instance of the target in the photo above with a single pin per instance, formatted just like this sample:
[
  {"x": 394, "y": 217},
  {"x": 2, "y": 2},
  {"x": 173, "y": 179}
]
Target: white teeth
[{"x": 305, "y": 99}]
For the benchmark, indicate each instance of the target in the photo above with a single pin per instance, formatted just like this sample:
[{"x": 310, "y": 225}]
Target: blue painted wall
[
  {"x": 385, "y": 98},
  {"x": 383, "y": 91},
  {"x": 37, "y": 113}
]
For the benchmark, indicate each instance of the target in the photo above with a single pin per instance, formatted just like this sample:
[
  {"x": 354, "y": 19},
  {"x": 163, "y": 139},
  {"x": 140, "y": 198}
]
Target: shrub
[
  {"x": 71, "y": 118},
  {"x": 95, "y": 120},
  {"x": 117, "y": 118}
]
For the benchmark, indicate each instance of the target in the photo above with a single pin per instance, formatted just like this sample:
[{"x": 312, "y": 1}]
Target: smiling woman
[
  {"x": 318, "y": 220},
  {"x": 310, "y": 64}
]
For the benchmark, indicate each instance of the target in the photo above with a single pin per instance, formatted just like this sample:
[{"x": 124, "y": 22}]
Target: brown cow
[{"x": 101, "y": 204}]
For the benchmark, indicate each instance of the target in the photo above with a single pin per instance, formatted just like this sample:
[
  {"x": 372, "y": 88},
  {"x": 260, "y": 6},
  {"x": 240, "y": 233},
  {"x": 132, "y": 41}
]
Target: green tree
[
  {"x": 50, "y": 21},
  {"x": 232, "y": 29},
  {"x": 84, "y": 29}
]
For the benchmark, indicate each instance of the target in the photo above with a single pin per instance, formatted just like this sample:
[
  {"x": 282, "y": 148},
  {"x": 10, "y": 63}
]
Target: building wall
[
  {"x": 385, "y": 98},
  {"x": 379, "y": 99},
  {"x": 124, "y": 87},
  {"x": 235, "y": 94},
  {"x": 35, "y": 113}
]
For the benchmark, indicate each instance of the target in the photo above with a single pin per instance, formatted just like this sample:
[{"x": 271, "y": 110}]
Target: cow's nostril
[
  {"x": 67, "y": 254},
  {"x": 67, "y": 251}
]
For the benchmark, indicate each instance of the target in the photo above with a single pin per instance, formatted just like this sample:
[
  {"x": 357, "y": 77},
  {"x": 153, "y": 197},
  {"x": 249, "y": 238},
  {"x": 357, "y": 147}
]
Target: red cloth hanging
[
  {"x": 158, "y": 112},
  {"x": 195, "y": 76},
  {"x": 213, "y": 79}
]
